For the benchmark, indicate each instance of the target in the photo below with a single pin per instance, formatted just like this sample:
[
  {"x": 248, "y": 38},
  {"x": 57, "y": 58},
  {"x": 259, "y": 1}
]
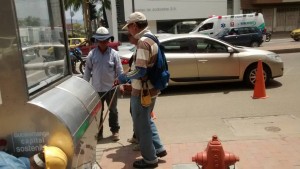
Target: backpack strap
[{"x": 152, "y": 37}]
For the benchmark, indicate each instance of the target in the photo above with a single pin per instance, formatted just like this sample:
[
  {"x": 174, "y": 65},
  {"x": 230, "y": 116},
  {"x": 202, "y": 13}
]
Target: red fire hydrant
[{"x": 214, "y": 157}]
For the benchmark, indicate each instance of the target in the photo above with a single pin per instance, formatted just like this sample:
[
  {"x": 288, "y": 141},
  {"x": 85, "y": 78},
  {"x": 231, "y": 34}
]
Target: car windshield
[{"x": 197, "y": 27}]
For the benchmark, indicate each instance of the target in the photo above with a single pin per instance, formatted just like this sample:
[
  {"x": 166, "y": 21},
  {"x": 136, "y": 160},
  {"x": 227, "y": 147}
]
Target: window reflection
[
  {"x": 176, "y": 46},
  {"x": 41, "y": 37}
]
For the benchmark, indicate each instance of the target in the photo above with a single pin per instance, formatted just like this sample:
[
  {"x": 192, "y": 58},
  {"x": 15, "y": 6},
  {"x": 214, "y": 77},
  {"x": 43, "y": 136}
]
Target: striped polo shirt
[{"x": 146, "y": 54}]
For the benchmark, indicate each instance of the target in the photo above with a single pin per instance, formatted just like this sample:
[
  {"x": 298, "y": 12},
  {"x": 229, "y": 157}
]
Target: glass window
[
  {"x": 207, "y": 26},
  {"x": 210, "y": 46},
  {"x": 244, "y": 30},
  {"x": 176, "y": 46},
  {"x": 42, "y": 40}
]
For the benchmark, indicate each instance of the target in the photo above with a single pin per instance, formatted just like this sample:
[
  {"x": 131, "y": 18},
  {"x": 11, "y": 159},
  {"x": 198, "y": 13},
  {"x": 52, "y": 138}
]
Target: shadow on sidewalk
[{"x": 124, "y": 155}]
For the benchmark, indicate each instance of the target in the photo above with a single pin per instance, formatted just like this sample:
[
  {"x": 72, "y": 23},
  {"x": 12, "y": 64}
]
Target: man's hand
[
  {"x": 121, "y": 88},
  {"x": 116, "y": 83}
]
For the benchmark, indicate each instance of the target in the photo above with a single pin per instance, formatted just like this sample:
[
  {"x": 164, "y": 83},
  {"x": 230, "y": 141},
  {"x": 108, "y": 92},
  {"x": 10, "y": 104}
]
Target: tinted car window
[
  {"x": 233, "y": 31},
  {"x": 209, "y": 46},
  {"x": 176, "y": 46},
  {"x": 252, "y": 30},
  {"x": 207, "y": 26}
]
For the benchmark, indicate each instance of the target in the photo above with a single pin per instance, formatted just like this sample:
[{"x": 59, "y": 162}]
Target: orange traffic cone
[
  {"x": 153, "y": 116},
  {"x": 259, "y": 88}
]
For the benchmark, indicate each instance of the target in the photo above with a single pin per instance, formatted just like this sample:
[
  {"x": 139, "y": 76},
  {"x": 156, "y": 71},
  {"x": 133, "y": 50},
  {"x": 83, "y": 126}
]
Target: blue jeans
[{"x": 145, "y": 129}]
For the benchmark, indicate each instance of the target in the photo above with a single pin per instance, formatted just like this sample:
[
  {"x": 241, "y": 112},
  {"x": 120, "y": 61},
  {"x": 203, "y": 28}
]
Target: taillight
[
  {"x": 125, "y": 61},
  {"x": 3, "y": 142}
]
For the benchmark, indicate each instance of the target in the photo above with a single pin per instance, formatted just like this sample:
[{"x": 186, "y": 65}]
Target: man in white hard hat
[
  {"x": 50, "y": 158},
  {"x": 105, "y": 65}
]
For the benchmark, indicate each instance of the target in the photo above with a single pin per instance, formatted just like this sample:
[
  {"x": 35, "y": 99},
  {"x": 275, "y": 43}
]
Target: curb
[{"x": 279, "y": 51}]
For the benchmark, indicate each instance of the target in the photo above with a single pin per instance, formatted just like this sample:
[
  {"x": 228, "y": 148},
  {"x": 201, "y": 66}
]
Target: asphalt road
[{"x": 195, "y": 113}]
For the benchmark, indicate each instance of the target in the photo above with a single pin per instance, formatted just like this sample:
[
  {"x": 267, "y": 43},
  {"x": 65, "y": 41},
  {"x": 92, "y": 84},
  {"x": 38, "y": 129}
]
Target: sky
[
  {"x": 36, "y": 8},
  {"x": 77, "y": 15}
]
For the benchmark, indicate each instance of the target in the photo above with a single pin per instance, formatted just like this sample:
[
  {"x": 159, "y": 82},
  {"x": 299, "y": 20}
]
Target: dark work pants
[{"x": 113, "y": 119}]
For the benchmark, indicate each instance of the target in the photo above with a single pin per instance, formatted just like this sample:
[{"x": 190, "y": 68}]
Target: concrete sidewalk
[{"x": 271, "y": 153}]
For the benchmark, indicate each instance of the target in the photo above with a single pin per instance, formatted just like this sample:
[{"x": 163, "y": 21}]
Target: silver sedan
[{"x": 196, "y": 58}]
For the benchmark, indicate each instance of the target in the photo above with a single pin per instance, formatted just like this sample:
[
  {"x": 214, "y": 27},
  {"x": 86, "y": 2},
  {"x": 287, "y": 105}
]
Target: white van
[{"x": 215, "y": 25}]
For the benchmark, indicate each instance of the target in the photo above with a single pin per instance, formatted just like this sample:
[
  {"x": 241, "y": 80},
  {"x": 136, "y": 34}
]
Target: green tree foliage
[
  {"x": 75, "y": 4},
  {"x": 93, "y": 11},
  {"x": 78, "y": 31},
  {"x": 30, "y": 21}
]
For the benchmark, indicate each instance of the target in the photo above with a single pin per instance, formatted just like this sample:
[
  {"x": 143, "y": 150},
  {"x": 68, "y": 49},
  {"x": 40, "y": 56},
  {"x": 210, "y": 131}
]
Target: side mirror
[{"x": 230, "y": 50}]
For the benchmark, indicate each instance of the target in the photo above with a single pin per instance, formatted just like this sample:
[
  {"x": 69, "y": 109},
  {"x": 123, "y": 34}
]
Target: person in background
[
  {"x": 105, "y": 65},
  {"x": 144, "y": 127},
  {"x": 50, "y": 158},
  {"x": 133, "y": 41}
]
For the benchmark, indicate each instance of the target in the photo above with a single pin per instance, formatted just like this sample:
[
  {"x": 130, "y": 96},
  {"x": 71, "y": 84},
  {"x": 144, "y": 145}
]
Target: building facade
[
  {"x": 162, "y": 15},
  {"x": 279, "y": 15}
]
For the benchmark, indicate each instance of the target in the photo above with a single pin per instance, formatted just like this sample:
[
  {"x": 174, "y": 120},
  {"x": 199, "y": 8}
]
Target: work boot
[
  {"x": 162, "y": 154},
  {"x": 115, "y": 136},
  {"x": 132, "y": 140},
  {"x": 143, "y": 164}
]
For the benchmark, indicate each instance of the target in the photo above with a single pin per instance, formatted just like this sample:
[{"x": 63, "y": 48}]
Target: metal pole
[{"x": 133, "y": 9}]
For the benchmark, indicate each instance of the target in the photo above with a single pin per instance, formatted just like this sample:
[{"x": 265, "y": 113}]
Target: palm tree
[
  {"x": 106, "y": 4},
  {"x": 76, "y": 4}
]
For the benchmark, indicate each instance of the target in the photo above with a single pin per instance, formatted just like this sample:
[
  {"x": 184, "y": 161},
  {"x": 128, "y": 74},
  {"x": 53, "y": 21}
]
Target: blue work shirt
[
  {"x": 105, "y": 68},
  {"x": 8, "y": 161}
]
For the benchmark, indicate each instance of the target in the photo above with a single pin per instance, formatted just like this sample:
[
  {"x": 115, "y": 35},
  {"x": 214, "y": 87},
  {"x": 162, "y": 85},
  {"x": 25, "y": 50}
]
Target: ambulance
[{"x": 215, "y": 26}]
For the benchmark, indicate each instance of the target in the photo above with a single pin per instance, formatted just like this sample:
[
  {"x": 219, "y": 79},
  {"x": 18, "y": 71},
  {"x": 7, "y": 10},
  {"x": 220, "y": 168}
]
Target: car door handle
[{"x": 203, "y": 61}]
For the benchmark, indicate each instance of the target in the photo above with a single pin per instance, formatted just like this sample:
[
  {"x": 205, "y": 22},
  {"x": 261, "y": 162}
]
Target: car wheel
[
  {"x": 297, "y": 38},
  {"x": 254, "y": 44},
  {"x": 250, "y": 75},
  {"x": 51, "y": 71}
]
